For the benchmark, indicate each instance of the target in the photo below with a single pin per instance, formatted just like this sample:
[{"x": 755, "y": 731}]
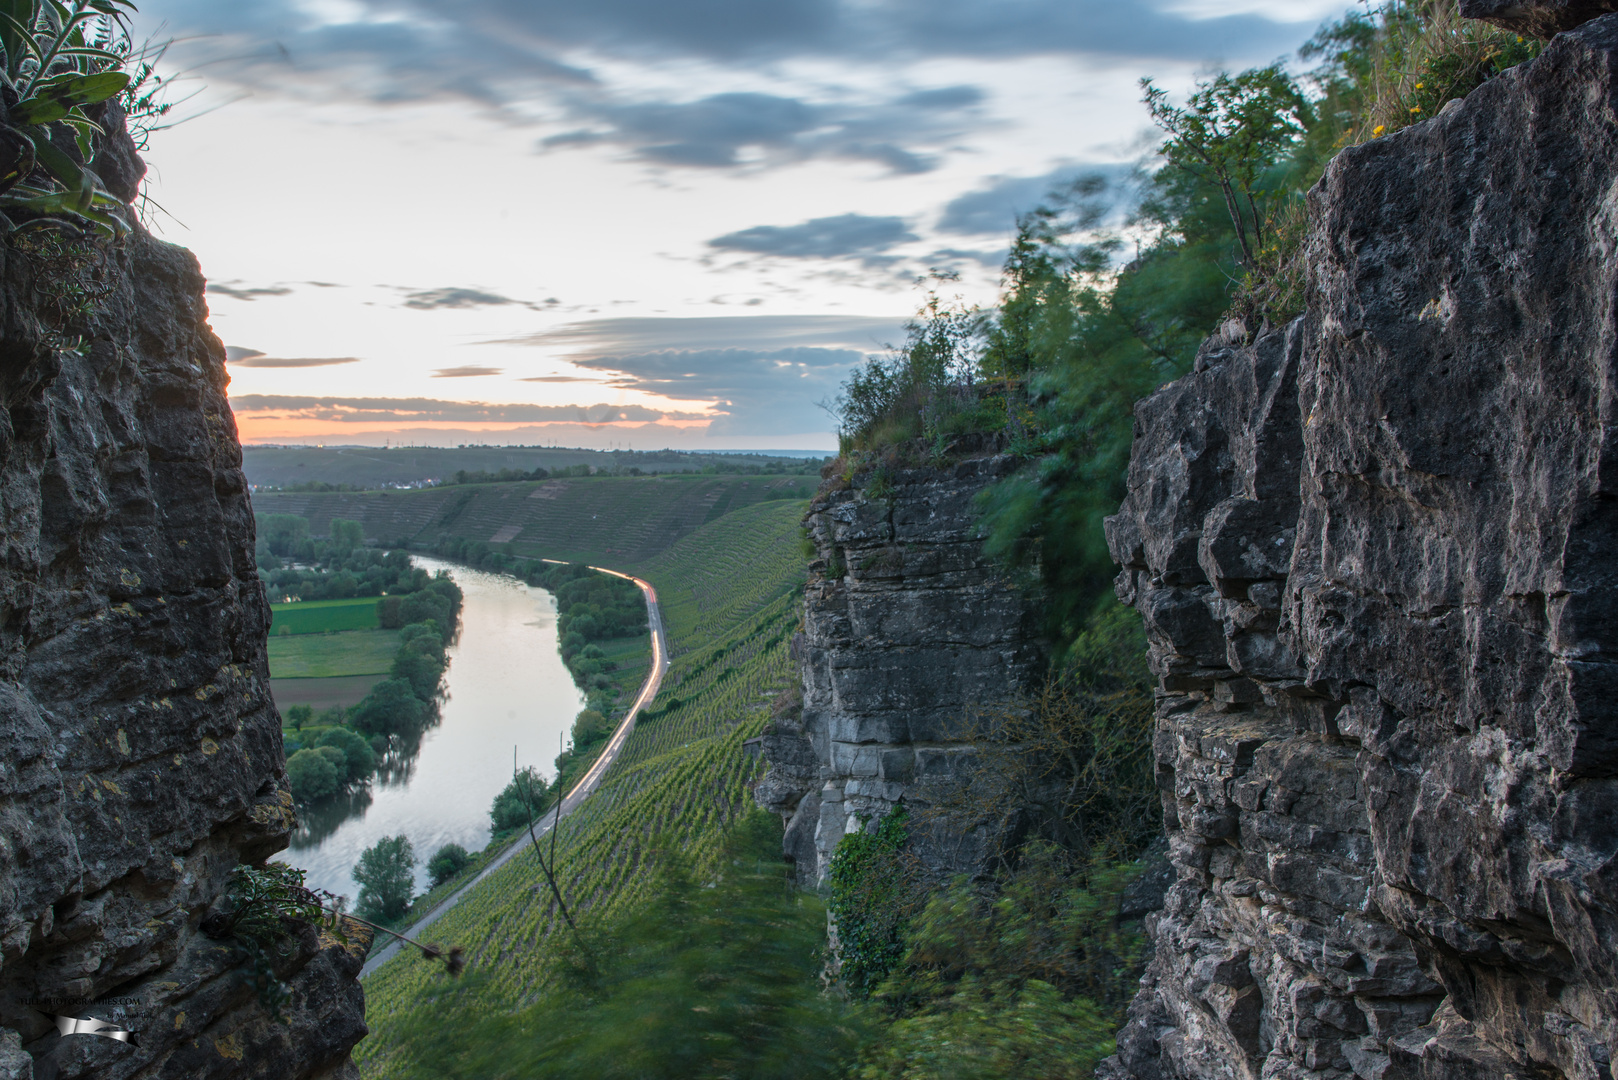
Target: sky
[{"x": 628, "y": 223}]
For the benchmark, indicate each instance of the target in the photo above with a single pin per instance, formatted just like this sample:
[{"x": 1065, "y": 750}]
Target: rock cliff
[
  {"x": 140, "y": 753},
  {"x": 908, "y": 627},
  {"x": 1377, "y": 557}
]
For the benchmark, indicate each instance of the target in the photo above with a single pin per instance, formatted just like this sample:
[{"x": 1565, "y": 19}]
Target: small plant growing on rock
[{"x": 58, "y": 59}]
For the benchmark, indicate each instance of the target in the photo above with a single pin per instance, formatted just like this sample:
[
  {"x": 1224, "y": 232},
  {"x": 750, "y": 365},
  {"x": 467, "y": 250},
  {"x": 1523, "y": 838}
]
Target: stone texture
[
  {"x": 908, "y": 629},
  {"x": 1377, "y": 556},
  {"x": 1539, "y": 18},
  {"x": 140, "y": 752}
]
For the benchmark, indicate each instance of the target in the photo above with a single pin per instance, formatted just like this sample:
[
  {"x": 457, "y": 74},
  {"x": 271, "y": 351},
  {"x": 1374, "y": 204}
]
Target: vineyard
[
  {"x": 611, "y": 521},
  {"x": 729, "y": 598}
]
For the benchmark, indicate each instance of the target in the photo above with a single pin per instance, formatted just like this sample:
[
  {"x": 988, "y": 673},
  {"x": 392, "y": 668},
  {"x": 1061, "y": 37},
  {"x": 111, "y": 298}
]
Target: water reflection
[{"x": 506, "y": 686}]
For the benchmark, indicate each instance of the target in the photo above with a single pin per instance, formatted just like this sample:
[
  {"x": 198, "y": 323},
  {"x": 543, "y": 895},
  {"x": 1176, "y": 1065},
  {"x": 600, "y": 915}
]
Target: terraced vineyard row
[{"x": 729, "y": 599}]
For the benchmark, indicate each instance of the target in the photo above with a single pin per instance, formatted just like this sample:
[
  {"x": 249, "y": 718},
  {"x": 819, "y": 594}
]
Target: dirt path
[{"x": 581, "y": 790}]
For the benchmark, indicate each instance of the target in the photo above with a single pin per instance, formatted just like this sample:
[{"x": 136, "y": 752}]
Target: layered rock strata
[
  {"x": 1377, "y": 557},
  {"x": 140, "y": 752},
  {"x": 909, "y": 631}
]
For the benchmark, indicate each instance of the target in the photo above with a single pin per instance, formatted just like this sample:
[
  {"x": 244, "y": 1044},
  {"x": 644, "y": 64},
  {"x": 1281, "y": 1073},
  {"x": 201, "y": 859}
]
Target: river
[{"x": 507, "y": 688}]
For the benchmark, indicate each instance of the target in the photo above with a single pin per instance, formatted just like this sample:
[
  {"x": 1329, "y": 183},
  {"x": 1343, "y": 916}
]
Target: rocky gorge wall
[
  {"x": 1376, "y": 552},
  {"x": 140, "y": 752},
  {"x": 908, "y": 628}
]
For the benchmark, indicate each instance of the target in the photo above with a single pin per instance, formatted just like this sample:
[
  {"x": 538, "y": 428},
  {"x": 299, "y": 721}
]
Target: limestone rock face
[
  {"x": 1541, "y": 18},
  {"x": 1377, "y": 557},
  {"x": 908, "y": 628},
  {"x": 140, "y": 752}
]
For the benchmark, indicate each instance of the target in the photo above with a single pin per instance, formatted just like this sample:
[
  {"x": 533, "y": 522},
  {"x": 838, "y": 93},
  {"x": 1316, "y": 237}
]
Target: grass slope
[
  {"x": 611, "y": 521},
  {"x": 729, "y": 593},
  {"x": 325, "y": 656},
  {"x": 323, "y": 616}
]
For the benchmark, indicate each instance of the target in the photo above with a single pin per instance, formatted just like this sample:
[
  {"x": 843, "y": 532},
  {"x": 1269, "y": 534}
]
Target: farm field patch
[{"x": 321, "y": 616}]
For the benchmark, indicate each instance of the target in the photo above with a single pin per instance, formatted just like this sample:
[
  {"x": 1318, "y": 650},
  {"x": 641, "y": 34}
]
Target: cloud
[
  {"x": 762, "y": 374},
  {"x": 497, "y": 51},
  {"x": 431, "y": 299},
  {"x": 466, "y": 371},
  {"x": 733, "y": 129},
  {"x": 993, "y": 209},
  {"x": 237, "y": 356},
  {"x": 820, "y": 238},
  {"x": 557, "y": 379},
  {"x": 596, "y": 338},
  {"x": 432, "y": 410},
  {"x": 239, "y": 292},
  {"x": 755, "y": 392}
]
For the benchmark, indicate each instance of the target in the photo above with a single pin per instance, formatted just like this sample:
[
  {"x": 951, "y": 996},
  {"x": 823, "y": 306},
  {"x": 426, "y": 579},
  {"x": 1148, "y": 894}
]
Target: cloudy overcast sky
[{"x": 647, "y": 222}]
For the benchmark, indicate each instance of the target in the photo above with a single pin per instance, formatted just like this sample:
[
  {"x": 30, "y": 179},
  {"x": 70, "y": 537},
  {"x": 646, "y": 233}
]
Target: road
[{"x": 581, "y": 791}]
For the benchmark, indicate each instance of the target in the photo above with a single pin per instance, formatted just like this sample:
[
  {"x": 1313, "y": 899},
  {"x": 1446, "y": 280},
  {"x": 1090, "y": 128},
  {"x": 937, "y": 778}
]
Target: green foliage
[
  {"x": 509, "y": 812},
  {"x": 359, "y": 761},
  {"x": 311, "y": 775},
  {"x": 391, "y": 708},
  {"x": 924, "y": 390},
  {"x": 262, "y": 900},
  {"x": 875, "y": 889},
  {"x": 1029, "y": 978},
  {"x": 299, "y": 715},
  {"x": 711, "y": 977},
  {"x": 989, "y": 1033},
  {"x": 1229, "y": 135},
  {"x": 386, "y": 873},
  {"x": 1399, "y": 63},
  {"x": 446, "y": 862},
  {"x": 590, "y": 727},
  {"x": 59, "y": 58}
]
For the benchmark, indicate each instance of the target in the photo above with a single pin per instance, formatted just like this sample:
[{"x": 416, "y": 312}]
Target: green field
[
  {"x": 729, "y": 593},
  {"x": 609, "y": 521},
  {"x": 323, "y": 616},
  {"x": 325, "y": 656}
]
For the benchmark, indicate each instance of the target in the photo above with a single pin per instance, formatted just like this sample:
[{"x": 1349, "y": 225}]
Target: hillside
[
  {"x": 729, "y": 596},
  {"x": 616, "y": 521},
  {"x": 376, "y": 467}
]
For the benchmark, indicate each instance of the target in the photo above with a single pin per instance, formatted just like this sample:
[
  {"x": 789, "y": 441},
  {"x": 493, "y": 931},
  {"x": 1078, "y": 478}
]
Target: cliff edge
[
  {"x": 140, "y": 752},
  {"x": 1377, "y": 556}
]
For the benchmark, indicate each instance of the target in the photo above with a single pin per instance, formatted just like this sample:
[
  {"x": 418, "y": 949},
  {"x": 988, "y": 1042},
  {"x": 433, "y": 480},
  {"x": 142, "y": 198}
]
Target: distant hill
[
  {"x": 371, "y": 467},
  {"x": 615, "y": 520}
]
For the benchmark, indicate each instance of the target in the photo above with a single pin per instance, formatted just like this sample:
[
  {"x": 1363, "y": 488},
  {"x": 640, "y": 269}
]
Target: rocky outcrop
[
  {"x": 1377, "y": 557},
  {"x": 909, "y": 628},
  {"x": 140, "y": 752},
  {"x": 1541, "y": 18}
]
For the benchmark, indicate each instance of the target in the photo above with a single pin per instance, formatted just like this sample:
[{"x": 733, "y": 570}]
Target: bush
[
  {"x": 339, "y": 762},
  {"x": 590, "y": 727},
  {"x": 391, "y": 708},
  {"x": 507, "y": 811},
  {"x": 448, "y": 861},
  {"x": 386, "y": 873},
  {"x": 311, "y": 775},
  {"x": 298, "y": 715},
  {"x": 875, "y": 888},
  {"x": 359, "y": 758}
]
